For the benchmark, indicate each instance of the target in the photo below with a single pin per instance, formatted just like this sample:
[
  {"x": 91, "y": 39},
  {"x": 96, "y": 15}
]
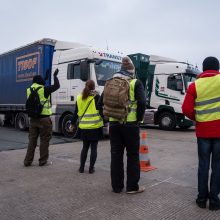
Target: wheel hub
[{"x": 166, "y": 121}]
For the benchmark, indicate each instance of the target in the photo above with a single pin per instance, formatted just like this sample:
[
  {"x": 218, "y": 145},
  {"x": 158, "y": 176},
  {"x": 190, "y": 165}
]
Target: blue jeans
[{"x": 209, "y": 149}]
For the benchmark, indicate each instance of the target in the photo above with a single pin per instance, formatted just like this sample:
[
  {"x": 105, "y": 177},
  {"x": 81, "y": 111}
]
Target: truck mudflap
[
  {"x": 184, "y": 122},
  {"x": 149, "y": 116}
]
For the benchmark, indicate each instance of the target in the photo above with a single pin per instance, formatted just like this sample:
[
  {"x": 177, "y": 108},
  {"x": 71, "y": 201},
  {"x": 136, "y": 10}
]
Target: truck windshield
[{"x": 105, "y": 70}]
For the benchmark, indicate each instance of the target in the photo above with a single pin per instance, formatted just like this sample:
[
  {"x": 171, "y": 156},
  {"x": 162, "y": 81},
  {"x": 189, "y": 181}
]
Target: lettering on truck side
[
  {"x": 108, "y": 55},
  {"x": 27, "y": 66}
]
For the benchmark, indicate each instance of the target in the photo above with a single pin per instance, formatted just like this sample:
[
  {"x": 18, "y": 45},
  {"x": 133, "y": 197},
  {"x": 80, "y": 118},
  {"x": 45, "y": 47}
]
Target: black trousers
[
  {"x": 125, "y": 136},
  {"x": 84, "y": 152}
]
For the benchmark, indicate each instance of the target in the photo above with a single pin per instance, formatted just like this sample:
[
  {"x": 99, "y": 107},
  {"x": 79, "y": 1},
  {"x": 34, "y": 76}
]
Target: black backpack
[{"x": 33, "y": 104}]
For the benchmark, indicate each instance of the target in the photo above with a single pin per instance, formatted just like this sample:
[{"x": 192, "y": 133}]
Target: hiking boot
[
  {"x": 140, "y": 190},
  {"x": 27, "y": 164},
  {"x": 117, "y": 190},
  {"x": 201, "y": 203},
  {"x": 81, "y": 170},
  {"x": 91, "y": 170},
  {"x": 214, "y": 205}
]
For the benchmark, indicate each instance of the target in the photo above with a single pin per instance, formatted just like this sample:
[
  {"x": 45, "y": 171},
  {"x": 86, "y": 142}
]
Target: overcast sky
[{"x": 188, "y": 30}]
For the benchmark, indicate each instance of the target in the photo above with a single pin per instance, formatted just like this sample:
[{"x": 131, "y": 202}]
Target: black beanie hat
[
  {"x": 39, "y": 80},
  {"x": 210, "y": 63}
]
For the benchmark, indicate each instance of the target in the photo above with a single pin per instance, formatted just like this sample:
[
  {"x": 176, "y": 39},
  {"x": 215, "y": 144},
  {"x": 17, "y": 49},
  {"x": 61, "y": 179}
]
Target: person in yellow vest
[
  {"x": 202, "y": 104},
  {"x": 90, "y": 123},
  {"x": 41, "y": 126},
  {"x": 125, "y": 135}
]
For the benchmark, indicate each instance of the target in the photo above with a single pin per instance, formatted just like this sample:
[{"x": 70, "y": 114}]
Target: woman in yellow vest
[{"x": 90, "y": 123}]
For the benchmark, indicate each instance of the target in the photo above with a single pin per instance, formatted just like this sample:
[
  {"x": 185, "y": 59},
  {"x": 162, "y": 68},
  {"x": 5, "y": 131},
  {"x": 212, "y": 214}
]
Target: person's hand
[
  {"x": 71, "y": 128},
  {"x": 56, "y": 72},
  {"x": 47, "y": 75}
]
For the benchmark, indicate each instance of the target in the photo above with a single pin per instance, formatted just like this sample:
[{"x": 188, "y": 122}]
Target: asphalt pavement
[
  {"x": 12, "y": 139},
  {"x": 60, "y": 192}
]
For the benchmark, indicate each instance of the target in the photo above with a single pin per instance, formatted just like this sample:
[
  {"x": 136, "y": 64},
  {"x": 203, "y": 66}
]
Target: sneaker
[
  {"x": 140, "y": 190},
  {"x": 214, "y": 205},
  {"x": 45, "y": 163},
  {"x": 91, "y": 170},
  {"x": 201, "y": 203}
]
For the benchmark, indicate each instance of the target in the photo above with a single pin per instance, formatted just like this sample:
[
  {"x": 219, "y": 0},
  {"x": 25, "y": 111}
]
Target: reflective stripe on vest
[
  {"x": 132, "y": 115},
  {"x": 44, "y": 101},
  {"x": 91, "y": 119},
  {"x": 207, "y": 103}
]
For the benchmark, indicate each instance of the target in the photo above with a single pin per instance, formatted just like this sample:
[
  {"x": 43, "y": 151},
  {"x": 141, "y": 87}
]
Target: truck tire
[
  {"x": 21, "y": 121},
  {"x": 66, "y": 123},
  {"x": 167, "y": 121}
]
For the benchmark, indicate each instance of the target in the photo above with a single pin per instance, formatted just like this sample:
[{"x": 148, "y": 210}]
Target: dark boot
[
  {"x": 81, "y": 169},
  {"x": 201, "y": 203},
  {"x": 214, "y": 205},
  {"x": 27, "y": 163},
  {"x": 91, "y": 170}
]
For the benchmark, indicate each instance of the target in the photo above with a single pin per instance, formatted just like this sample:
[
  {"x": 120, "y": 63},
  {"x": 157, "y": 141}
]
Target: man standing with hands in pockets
[{"x": 202, "y": 104}]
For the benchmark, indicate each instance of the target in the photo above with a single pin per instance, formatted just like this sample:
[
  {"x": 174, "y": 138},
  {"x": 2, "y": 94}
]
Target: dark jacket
[{"x": 48, "y": 90}]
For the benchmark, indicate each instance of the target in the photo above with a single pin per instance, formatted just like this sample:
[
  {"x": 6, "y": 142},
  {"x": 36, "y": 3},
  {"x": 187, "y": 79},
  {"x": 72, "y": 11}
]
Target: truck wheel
[
  {"x": 21, "y": 121},
  {"x": 66, "y": 126},
  {"x": 167, "y": 121}
]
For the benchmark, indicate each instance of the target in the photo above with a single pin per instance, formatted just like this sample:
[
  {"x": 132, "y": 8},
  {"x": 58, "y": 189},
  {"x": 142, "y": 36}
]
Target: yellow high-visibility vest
[
  {"x": 132, "y": 115},
  {"x": 91, "y": 119},
  {"x": 207, "y": 103},
  {"x": 44, "y": 101}
]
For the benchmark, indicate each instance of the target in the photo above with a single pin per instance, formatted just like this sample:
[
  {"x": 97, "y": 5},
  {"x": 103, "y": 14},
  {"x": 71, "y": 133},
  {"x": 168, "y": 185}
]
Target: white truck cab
[
  {"x": 77, "y": 63},
  {"x": 166, "y": 81}
]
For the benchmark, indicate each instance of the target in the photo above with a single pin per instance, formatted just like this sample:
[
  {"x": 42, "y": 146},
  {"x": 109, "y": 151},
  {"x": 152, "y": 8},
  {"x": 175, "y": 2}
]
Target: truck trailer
[
  {"x": 76, "y": 63},
  {"x": 165, "y": 81}
]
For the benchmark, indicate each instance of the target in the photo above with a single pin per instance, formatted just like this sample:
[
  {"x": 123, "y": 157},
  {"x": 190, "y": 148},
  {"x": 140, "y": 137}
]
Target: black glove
[
  {"x": 56, "y": 72},
  {"x": 47, "y": 75}
]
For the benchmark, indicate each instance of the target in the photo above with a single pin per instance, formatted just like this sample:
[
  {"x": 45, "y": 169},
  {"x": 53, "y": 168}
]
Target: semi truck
[
  {"x": 165, "y": 81},
  {"x": 76, "y": 63}
]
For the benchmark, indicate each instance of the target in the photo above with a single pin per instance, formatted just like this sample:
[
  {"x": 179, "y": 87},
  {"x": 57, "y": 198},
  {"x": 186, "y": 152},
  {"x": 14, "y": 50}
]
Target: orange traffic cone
[{"x": 144, "y": 154}]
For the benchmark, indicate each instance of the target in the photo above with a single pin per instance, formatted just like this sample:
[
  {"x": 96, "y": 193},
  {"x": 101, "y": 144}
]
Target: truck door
[
  {"x": 76, "y": 84},
  {"x": 176, "y": 90}
]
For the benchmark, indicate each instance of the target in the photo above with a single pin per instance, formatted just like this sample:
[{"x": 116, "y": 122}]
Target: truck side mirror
[
  {"x": 179, "y": 87},
  {"x": 84, "y": 70}
]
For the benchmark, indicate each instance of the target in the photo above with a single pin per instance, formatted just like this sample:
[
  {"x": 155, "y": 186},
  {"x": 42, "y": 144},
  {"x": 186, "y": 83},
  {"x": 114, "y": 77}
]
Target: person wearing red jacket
[{"x": 202, "y": 104}]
